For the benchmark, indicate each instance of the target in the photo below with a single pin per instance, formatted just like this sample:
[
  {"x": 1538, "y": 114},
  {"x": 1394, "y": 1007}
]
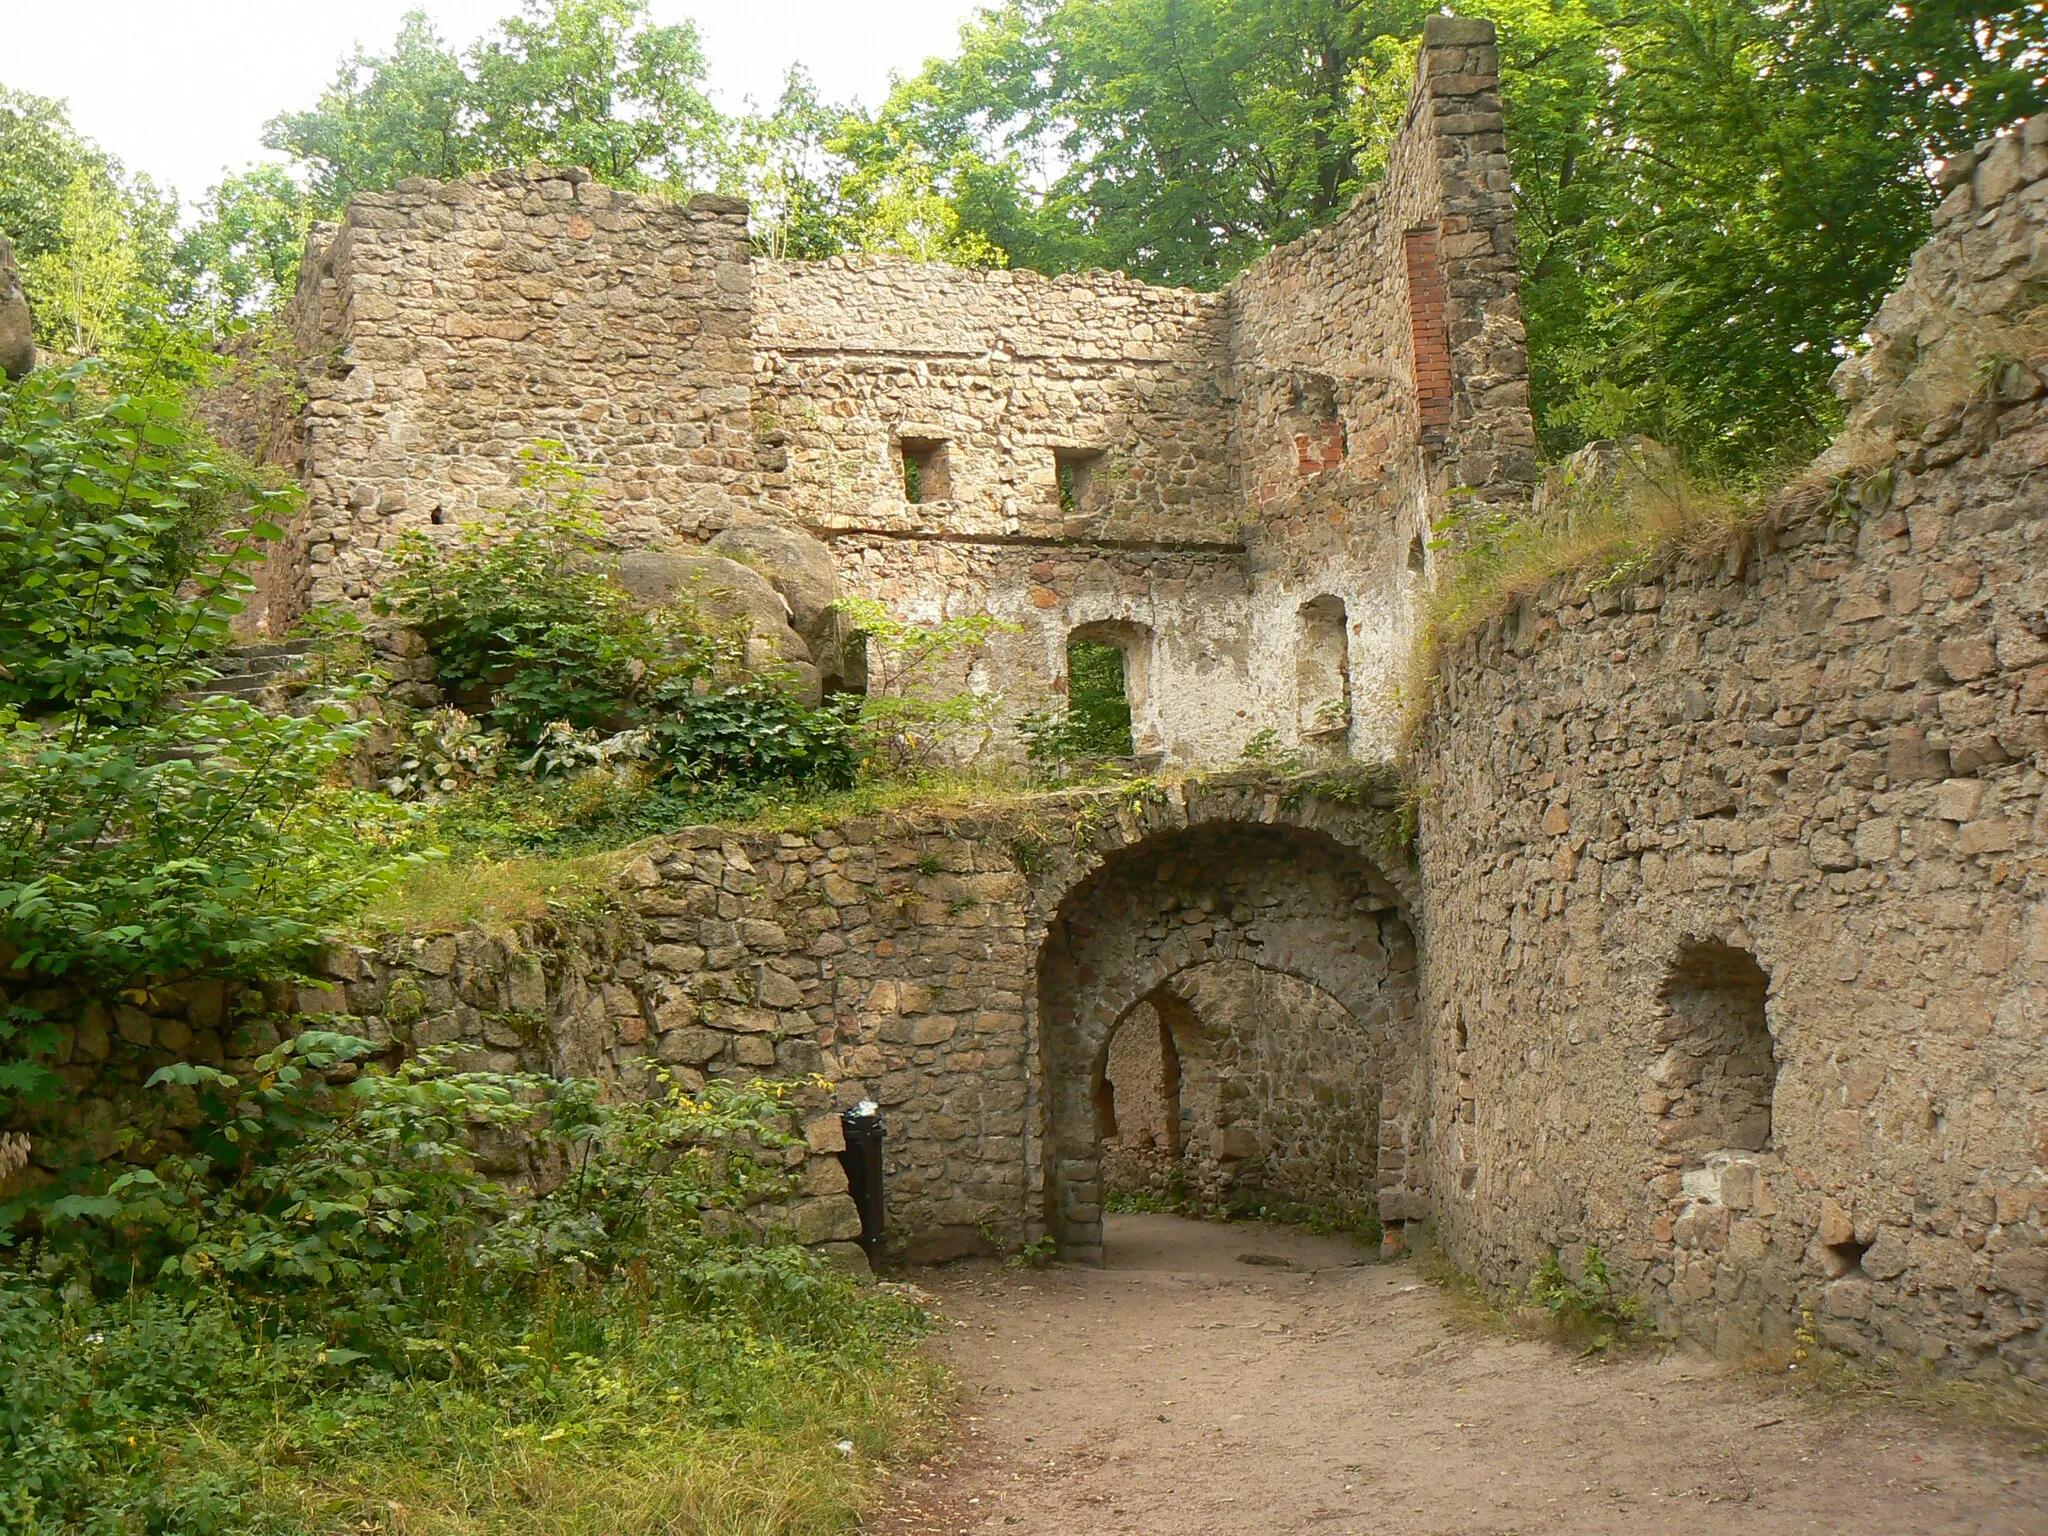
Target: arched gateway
[{"x": 1263, "y": 941}]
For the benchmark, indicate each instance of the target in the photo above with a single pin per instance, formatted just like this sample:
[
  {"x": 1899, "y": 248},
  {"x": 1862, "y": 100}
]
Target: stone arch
[{"x": 1249, "y": 899}]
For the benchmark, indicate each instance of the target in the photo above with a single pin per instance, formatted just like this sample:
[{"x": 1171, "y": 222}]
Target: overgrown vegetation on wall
[
  {"x": 142, "y": 834},
  {"x": 291, "y": 1299}
]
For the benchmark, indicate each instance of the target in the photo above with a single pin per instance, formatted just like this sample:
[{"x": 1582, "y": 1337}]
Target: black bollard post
[{"x": 862, "y": 1160}]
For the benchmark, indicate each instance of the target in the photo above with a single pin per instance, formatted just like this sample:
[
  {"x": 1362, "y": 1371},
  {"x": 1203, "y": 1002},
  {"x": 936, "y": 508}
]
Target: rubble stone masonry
[
  {"x": 1736, "y": 886},
  {"x": 1230, "y": 459},
  {"x": 1727, "y": 947}
]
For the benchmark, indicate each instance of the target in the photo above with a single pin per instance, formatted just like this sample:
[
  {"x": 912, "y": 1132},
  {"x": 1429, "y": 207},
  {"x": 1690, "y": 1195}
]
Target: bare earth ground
[{"x": 1182, "y": 1391}]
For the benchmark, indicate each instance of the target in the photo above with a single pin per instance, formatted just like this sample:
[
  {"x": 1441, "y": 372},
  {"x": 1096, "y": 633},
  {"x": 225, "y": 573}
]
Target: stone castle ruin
[
  {"x": 1723, "y": 942},
  {"x": 1233, "y": 488}
]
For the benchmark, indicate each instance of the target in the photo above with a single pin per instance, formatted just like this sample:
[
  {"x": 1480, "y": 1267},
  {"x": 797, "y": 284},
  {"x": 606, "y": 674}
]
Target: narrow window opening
[
  {"x": 1098, "y": 699},
  {"x": 926, "y": 474},
  {"x": 1418, "y": 556},
  {"x": 1322, "y": 672},
  {"x": 1719, "y": 1070},
  {"x": 1074, "y": 470}
]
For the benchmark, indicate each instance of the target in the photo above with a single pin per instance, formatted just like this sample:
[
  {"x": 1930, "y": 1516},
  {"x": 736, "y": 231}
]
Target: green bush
[
  {"x": 321, "y": 1305},
  {"x": 524, "y": 621},
  {"x": 143, "y": 834},
  {"x": 753, "y": 733}
]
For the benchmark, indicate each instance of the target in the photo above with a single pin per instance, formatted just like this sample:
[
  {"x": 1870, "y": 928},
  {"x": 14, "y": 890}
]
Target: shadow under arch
[{"x": 1266, "y": 900}]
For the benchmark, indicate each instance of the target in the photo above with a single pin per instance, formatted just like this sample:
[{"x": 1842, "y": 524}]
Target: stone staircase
[{"x": 249, "y": 671}]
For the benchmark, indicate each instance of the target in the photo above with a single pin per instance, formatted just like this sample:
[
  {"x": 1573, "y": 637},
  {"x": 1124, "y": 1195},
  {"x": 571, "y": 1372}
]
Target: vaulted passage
[{"x": 1231, "y": 1007}]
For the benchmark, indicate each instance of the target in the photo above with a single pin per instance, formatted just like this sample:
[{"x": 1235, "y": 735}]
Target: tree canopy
[{"x": 1712, "y": 196}]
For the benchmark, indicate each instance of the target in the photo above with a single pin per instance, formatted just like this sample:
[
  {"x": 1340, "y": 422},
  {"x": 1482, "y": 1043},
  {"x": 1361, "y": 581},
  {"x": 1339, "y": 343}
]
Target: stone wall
[
  {"x": 1240, "y": 465},
  {"x": 447, "y": 326},
  {"x": 1737, "y": 931},
  {"x": 906, "y": 958},
  {"x": 1342, "y": 465},
  {"x": 1286, "y": 973},
  {"x": 1005, "y": 369}
]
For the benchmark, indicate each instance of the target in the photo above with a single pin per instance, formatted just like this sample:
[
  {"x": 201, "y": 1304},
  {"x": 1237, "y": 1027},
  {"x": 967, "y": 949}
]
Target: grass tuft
[{"x": 1595, "y": 530}]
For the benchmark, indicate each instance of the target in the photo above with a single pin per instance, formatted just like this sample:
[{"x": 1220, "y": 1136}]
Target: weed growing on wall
[
  {"x": 922, "y": 707},
  {"x": 1605, "y": 528},
  {"x": 1591, "y": 1308}
]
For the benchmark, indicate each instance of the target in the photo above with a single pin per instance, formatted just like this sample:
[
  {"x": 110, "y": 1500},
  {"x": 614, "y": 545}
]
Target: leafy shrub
[
  {"x": 442, "y": 753},
  {"x": 321, "y": 1306},
  {"x": 143, "y": 834},
  {"x": 753, "y": 733},
  {"x": 1591, "y": 1307},
  {"x": 522, "y": 618},
  {"x": 116, "y": 577},
  {"x": 563, "y": 750}
]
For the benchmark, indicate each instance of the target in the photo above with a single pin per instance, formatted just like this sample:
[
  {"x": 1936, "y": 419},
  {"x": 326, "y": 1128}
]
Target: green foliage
[
  {"x": 441, "y": 753},
  {"x": 922, "y": 706},
  {"x": 241, "y": 256},
  {"x": 526, "y": 623},
  {"x": 1707, "y": 225},
  {"x": 753, "y": 734},
  {"x": 95, "y": 243},
  {"x": 118, "y": 572},
  {"x": 1712, "y": 196},
  {"x": 324, "y": 1306},
  {"x": 590, "y": 83},
  {"x": 143, "y": 833},
  {"x": 791, "y": 174},
  {"x": 1096, "y": 719},
  {"x": 1591, "y": 1307},
  {"x": 521, "y": 615}
]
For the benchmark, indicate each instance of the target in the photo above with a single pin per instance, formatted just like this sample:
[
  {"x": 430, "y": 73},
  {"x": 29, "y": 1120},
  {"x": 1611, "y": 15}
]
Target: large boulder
[
  {"x": 796, "y": 565},
  {"x": 725, "y": 594},
  {"x": 17, "y": 325}
]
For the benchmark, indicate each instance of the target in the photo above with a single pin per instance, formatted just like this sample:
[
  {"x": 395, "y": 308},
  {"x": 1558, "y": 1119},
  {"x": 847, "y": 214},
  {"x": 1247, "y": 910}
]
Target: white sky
[{"x": 181, "y": 88}]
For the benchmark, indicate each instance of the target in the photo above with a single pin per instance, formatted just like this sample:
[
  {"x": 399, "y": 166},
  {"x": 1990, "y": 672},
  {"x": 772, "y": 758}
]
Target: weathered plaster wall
[
  {"x": 1379, "y": 363},
  {"x": 1828, "y": 753}
]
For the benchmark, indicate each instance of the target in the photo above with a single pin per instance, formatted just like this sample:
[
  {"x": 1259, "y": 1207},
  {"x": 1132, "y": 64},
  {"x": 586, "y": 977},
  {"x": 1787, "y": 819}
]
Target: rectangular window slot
[
  {"x": 1074, "y": 469},
  {"x": 926, "y": 475}
]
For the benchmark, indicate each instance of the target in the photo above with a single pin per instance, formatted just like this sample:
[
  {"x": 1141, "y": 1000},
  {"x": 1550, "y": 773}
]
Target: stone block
[{"x": 824, "y": 1219}]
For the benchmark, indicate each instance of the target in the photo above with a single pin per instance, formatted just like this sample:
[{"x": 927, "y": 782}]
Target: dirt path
[{"x": 1183, "y": 1391}]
